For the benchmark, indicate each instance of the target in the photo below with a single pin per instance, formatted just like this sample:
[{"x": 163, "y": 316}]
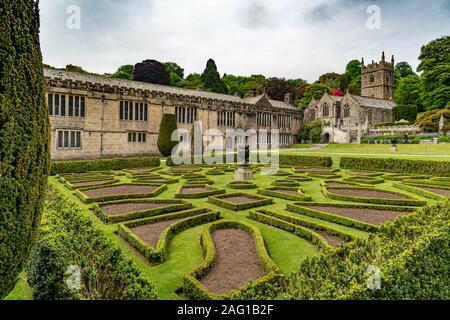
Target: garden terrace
[
  {"x": 236, "y": 261},
  {"x": 120, "y": 191},
  {"x": 152, "y": 236},
  {"x": 288, "y": 193},
  {"x": 197, "y": 191},
  {"x": 126, "y": 210},
  {"x": 371, "y": 195},
  {"x": 363, "y": 217},
  {"x": 240, "y": 201}
]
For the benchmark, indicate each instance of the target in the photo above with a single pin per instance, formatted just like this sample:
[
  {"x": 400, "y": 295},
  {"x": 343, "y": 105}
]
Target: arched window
[
  {"x": 346, "y": 111},
  {"x": 326, "y": 110},
  {"x": 313, "y": 114}
]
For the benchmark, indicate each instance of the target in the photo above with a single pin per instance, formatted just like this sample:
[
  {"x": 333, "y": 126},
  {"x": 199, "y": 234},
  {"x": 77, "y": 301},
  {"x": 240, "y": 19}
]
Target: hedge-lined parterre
[
  {"x": 364, "y": 179},
  {"x": 132, "y": 209},
  {"x": 287, "y": 193},
  {"x": 194, "y": 289},
  {"x": 197, "y": 191},
  {"x": 430, "y": 192},
  {"x": 242, "y": 185},
  {"x": 181, "y": 221},
  {"x": 286, "y": 183},
  {"x": 120, "y": 191},
  {"x": 239, "y": 201}
]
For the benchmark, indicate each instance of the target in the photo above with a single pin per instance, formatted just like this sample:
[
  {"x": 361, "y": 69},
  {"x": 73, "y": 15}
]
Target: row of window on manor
[
  {"x": 71, "y": 139},
  {"x": 264, "y": 119}
]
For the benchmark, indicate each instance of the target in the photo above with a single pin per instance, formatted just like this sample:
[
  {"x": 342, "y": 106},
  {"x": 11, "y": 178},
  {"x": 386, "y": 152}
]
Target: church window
[
  {"x": 326, "y": 110},
  {"x": 346, "y": 111}
]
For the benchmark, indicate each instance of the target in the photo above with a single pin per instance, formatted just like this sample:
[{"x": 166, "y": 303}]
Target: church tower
[{"x": 377, "y": 79}]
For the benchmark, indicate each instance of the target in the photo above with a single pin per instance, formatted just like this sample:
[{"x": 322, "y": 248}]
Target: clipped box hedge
[
  {"x": 298, "y": 230},
  {"x": 86, "y": 199},
  {"x": 286, "y": 183},
  {"x": 106, "y": 182},
  {"x": 190, "y": 218},
  {"x": 103, "y": 164},
  {"x": 400, "y": 202},
  {"x": 305, "y": 161},
  {"x": 222, "y": 202},
  {"x": 419, "y": 191},
  {"x": 270, "y": 192},
  {"x": 211, "y": 192},
  {"x": 307, "y": 209},
  {"x": 242, "y": 185},
  {"x": 424, "y": 167},
  {"x": 364, "y": 180},
  {"x": 173, "y": 206},
  {"x": 195, "y": 290}
]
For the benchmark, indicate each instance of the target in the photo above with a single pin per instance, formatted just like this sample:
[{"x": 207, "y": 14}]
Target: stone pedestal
[{"x": 243, "y": 174}]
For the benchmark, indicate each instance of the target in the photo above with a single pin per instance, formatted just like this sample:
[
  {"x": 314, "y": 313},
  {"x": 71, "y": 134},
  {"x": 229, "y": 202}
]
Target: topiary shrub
[
  {"x": 167, "y": 127},
  {"x": 24, "y": 136}
]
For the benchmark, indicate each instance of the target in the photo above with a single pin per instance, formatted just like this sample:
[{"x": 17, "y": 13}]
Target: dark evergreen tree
[
  {"x": 151, "y": 71},
  {"x": 167, "y": 127},
  {"x": 24, "y": 136},
  {"x": 278, "y": 87},
  {"x": 211, "y": 78}
]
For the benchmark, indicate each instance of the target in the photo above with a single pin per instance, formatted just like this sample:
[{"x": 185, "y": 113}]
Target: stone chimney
[
  {"x": 251, "y": 93},
  {"x": 287, "y": 98}
]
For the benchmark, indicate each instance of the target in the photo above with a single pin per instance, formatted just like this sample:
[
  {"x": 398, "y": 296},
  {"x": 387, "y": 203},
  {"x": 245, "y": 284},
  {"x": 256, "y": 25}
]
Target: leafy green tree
[
  {"x": 353, "y": 69},
  {"x": 172, "y": 67},
  {"x": 435, "y": 68},
  {"x": 192, "y": 81},
  {"x": 277, "y": 88},
  {"x": 151, "y": 71},
  {"x": 211, "y": 78},
  {"x": 24, "y": 136},
  {"x": 167, "y": 127},
  {"x": 73, "y": 68},
  {"x": 315, "y": 91},
  {"x": 408, "y": 91},
  {"x": 331, "y": 79},
  {"x": 405, "y": 112},
  {"x": 402, "y": 70},
  {"x": 351, "y": 79},
  {"x": 124, "y": 72}
]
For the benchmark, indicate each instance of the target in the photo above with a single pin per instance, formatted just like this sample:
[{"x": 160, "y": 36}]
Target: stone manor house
[
  {"x": 93, "y": 116},
  {"x": 350, "y": 116}
]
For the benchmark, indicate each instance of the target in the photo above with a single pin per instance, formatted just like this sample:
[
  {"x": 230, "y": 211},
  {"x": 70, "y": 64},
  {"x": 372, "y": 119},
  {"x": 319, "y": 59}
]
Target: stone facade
[
  {"x": 98, "y": 117},
  {"x": 347, "y": 117}
]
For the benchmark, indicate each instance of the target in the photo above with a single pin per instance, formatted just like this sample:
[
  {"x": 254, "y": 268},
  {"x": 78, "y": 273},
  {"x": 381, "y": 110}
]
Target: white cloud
[{"x": 285, "y": 38}]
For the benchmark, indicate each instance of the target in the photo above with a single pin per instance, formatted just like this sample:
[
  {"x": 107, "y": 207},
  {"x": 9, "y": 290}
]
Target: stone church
[
  {"x": 94, "y": 116},
  {"x": 349, "y": 116}
]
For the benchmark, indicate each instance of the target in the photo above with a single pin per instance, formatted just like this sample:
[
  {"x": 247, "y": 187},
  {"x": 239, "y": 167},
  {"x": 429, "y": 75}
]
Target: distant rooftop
[{"x": 103, "y": 80}]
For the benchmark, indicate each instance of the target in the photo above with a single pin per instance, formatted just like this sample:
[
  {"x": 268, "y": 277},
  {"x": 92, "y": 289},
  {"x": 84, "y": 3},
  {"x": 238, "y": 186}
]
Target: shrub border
[{"x": 260, "y": 201}]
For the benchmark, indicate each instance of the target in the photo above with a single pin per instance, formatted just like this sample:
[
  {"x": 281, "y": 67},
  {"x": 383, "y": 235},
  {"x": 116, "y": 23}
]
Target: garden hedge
[
  {"x": 166, "y": 128},
  {"x": 286, "y": 183},
  {"x": 419, "y": 191},
  {"x": 411, "y": 254},
  {"x": 270, "y": 192},
  {"x": 305, "y": 161},
  {"x": 69, "y": 238},
  {"x": 211, "y": 192},
  {"x": 423, "y": 167},
  {"x": 364, "y": 180},
  {"x": 290, "y": 227},
  {"x": 196, "y": 291},
  {"x": 173, "y": 206},
  {"x": 24, "y": 136},
  {"x": 86, "y": 199},
  {"x": 190, "y": 218},
  {"x": 102, "y": 183},
  {"x": 103, "y": 164},
  {"x": 307, "y": 209},
  {"x": 258, "y": 201},
  {"x": 242, "y": 185},
  {"x": 400, "y": 202}
]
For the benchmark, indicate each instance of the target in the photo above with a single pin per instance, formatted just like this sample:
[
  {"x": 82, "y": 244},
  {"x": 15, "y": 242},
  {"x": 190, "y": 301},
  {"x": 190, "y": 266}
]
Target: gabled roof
[
  {"x": 374, "y": 103},
  {"x": 102, "y": 80}
]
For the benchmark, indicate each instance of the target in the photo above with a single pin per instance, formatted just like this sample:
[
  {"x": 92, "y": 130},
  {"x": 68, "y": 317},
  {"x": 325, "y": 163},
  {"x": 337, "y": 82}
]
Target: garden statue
[
  {"x": 394, "y": 145},
  {"x": 406, "y": 139},
  {"x": 243, "y": 172}
]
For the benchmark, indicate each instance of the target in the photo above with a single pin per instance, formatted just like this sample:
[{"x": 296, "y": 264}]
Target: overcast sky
[{"x": 283, "y": 38}]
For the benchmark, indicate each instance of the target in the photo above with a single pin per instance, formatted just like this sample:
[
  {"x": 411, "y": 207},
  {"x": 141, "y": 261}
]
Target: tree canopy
[
  {"x": 151, "y": 71},
  {"x": 124, "y": 72},
  {"x": 211, "y": 78}
]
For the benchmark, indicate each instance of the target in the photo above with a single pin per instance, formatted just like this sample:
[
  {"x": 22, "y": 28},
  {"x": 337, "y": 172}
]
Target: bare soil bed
[
  {"x": 150, "y": 233},
  {"x": 140, "y": 170},
  {"x": 332, "y": 240},
  {"x": 372, "y": 216},
  {"x": 439, "y": 191},
  {"x": 194, "y": 190},
  {"x": 240, "y": 199},
  {"x": 293, "y": 192},
  {"x": 236, "y": 262},
  {"x": 362, "y": 193},
  {"x": 120, "y": 190},
  {"x": 116, "y": 209},
  {"x": 339, "y": 184},
  {"x": 89, "y": 183}
]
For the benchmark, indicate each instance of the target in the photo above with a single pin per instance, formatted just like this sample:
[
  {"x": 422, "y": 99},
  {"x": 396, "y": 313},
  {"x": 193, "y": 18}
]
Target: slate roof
[
  {"x": 374, "y": 103},
  {"x": 102, "y": 80}
]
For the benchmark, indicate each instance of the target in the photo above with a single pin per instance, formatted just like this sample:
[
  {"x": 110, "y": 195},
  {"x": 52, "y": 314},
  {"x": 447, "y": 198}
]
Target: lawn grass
[{"x": 22, "y": 291}]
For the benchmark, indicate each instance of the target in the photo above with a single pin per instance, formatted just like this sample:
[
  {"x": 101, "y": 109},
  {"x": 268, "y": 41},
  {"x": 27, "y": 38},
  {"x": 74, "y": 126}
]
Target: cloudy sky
[{"x": 283, "y": 38}]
